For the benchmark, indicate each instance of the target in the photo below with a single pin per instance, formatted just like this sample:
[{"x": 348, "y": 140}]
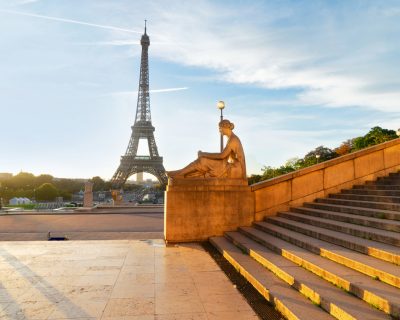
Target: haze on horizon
[{"x": 293, "y": 74}]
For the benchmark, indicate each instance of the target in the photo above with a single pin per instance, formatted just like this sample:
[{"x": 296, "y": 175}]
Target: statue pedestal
[{"x": 196, "y": 209}]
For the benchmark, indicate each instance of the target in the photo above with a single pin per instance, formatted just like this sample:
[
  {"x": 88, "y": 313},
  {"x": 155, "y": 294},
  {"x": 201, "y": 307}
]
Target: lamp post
[
  {"x": 317, "y": 156},
  {"x": 221, "y": 106}
]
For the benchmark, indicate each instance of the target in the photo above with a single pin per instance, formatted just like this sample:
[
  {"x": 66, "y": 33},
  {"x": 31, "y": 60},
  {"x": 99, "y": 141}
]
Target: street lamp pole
[{"x": 221, "y": 106}]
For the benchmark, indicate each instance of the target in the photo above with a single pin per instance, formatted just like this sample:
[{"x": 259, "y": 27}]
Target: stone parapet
[
  {"x": 196, "y": 209},
  {"x": 295, "y": 188}
]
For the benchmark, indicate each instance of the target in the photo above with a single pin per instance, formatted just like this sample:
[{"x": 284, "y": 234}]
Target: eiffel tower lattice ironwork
[{"x": 131, "y": 162}]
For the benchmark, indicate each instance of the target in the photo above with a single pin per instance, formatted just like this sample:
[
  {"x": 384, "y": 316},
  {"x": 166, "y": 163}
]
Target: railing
[{"x": 144, "y": 158}]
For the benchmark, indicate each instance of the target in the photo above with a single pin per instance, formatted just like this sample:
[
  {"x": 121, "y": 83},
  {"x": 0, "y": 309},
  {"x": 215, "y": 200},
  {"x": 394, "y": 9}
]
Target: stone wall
[
  {"x": 196, "y": 209},
  {"x": 320, "y": 180}
]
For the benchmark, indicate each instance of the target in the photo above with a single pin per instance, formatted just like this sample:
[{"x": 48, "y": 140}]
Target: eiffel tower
[{"x": 131, "y": 162}]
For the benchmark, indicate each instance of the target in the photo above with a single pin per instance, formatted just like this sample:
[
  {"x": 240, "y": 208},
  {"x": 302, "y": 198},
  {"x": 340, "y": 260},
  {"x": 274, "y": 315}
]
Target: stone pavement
[{"x": 114, "y": 280}]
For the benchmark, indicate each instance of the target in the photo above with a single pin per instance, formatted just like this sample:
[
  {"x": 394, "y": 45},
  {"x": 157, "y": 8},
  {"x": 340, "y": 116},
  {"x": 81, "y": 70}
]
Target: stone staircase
[{"x": 337, "y": 257}]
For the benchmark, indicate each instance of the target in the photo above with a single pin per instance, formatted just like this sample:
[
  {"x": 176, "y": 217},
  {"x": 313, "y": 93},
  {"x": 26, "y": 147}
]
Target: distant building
[
  {"x": 16, "y": 201},
  {"x": 98, "y": 196},
  {"x": 78, "y": 196},
  {"x": 5, "y": 175},
  {"x": 139, "y": 177}
]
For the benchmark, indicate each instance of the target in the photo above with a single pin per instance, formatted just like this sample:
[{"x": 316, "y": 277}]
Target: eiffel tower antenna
[{"x": 131, "y": 162}]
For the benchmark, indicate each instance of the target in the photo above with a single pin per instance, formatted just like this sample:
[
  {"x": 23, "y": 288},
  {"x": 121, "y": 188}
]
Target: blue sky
[{"x": 293, "y": 74}]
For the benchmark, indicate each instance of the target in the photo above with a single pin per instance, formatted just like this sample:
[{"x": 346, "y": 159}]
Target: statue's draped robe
[{"x": 231, "y": 166}]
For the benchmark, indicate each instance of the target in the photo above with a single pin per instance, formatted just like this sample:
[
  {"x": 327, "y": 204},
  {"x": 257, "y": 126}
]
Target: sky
[{"x": 294, "y": 75}]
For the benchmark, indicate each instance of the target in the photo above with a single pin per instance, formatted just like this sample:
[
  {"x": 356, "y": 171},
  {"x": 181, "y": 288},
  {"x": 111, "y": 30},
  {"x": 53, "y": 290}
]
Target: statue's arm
[
  {"x": 210, "y": 155},
  {"x": 220, "y": 155}
]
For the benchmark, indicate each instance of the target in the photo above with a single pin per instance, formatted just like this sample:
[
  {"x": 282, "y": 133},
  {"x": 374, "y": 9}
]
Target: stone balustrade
[{"x": 305, "y": 185}]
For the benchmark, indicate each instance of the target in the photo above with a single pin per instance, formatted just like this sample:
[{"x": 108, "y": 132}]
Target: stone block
[
  {"x": 273, "y": 195},
  {"x": 210, "y": 209},
  {"x": 338, "y": 174},
  {"x": 272, "y": 211},
  {"x": 392, "y": 156},
  {"x": 338, "y": 188},
  {"x": 307, "y": 184},
  {"x": 369, "y": 164},
  {"x": 308, "y": 198},
  {"x": 370, "y": 177}
]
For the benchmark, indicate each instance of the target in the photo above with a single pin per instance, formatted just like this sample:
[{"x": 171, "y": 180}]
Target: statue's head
[
  {"x": 225, "y": 127},
  {"x": 226, "y": 124}
]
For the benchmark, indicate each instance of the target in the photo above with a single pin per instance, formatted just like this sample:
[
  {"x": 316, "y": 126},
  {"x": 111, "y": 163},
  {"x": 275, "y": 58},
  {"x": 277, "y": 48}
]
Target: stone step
[
  {"x": 376, "y": 293},
  {"x": 365, "y": 197},
  {"x": 395, "y": 174},
  {"x": 330, "y": 298},
  {"x": 377, "y": 187},
  {"x": 389, "y": 177},
  {"x": 381, "y": 214},
  {"x": 377, "y": 269},
  {"x": 359, "y": 203},
  {"x": 379, "y": 223},
  {"x": 389, "y": 239},
  {"x": 286, "y": 300},
  {"x": 384, "y": 182},
  {"x": 375, "y": 249},
  {"x": 375, "y": 192}
]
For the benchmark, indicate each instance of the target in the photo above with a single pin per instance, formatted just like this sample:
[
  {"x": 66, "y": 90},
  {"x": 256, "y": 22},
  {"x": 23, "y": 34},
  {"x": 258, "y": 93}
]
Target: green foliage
[
  {"x": 132, "y": 187},
  {"x": 27, "y": 185},
  {"x": 270, "y": 172},
  {"x": 22, "y": 180},
  {"x": 43, "y": 178},
  {"x": 99, "y": 184},
  {"x": 29, "y": 206},
  {"x": 254, "y": 178},
  {"x": 320, "y": 154},
  {"x": 46, "y": 192},
  {"x": 65, "y": 194},
  {"x": 375, "y": 136},
  {"x": 68, "y": 186}
]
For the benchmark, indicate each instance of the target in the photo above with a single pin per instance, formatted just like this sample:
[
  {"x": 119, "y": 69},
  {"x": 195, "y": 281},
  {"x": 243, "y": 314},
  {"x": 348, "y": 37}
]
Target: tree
[
  {"x": 98, "y": 183},
  {"x": 270, "y": 172},
  {"x": 344, "y": 148},
  {"x": 46, "y": 192},
  {"x": 254, "y": 178},
  {"x": 43, "y": 178},
  {"x": 22, "y": 180},
  {"x": 324, "y": 154},
  {"x": 375, "y": 136},
  {"x": 68, "y": 185},
  {"x": 294, "y": 163}
]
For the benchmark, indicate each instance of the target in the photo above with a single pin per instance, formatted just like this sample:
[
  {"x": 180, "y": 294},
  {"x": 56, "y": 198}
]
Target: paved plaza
[
  {"x": 114, "y": 280},
  {"x": 80, "y": 226}
]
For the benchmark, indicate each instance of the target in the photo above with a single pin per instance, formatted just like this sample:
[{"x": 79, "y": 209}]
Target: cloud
[
  {"x": 116, "y": 43},
  {"x": 22, "y": 2},
  {"x": 168, "y": 90},
  {"x": 333, "y": 57},
  {"x": 121, "y": 43},
  {"x": 134, "y": 93},
  {"x": 69, "y": 21}
]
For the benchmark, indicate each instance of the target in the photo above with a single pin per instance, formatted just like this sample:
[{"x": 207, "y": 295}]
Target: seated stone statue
[{"x": 230, "y": 163}]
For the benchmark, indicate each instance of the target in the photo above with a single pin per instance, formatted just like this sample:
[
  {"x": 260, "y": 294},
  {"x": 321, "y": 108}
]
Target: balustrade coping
[{"x": 323, "y": 165}]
